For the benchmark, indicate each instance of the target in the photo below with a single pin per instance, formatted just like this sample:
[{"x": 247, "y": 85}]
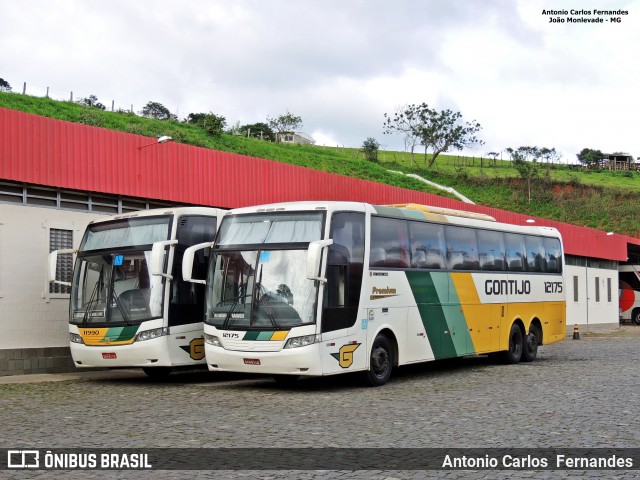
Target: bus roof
[
  {"x": 443, "y": 211},
  {"x": 207, "y": 211},
  {"x": 408, "y": 211}
]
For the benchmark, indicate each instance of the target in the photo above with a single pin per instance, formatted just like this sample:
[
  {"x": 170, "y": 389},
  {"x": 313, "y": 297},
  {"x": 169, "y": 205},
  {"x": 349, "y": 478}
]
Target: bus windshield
[
  {"x": 285, "y": 227},
  {"x": 252, "y": 287},
  {"x": 260, "y": 289},
  {"x": 115, "y": 289},
  {"x": 127, "y": 232}
]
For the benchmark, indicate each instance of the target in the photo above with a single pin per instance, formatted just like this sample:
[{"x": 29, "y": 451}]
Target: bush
[{"x": 91, "y": 117}]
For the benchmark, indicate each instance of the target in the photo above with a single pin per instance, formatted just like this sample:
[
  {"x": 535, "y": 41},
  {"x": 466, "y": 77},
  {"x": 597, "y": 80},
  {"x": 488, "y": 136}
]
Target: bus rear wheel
[
  {"x": 635, "y": 316},
  {"x": 157, "y": 372},
  {"x": 380, "y": 362},
  {"x": 531, "y": 342},
  {"x": 516, "y": 345}
]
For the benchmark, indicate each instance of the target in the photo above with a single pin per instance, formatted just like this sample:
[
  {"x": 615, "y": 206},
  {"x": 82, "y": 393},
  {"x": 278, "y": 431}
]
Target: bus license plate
[
  {"x": 109, "y": 355},
  {"x": 251, "y": 361}
]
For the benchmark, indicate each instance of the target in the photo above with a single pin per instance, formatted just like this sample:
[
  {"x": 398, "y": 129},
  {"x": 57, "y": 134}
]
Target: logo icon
[
  {"x": 23, "y": 459},
  {"x": 195, "y": 349},
  {"x": 345, "y": 354}
]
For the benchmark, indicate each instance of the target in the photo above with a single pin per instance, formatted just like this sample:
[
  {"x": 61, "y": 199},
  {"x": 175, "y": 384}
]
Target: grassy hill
[{"x": 600, "y": 199}]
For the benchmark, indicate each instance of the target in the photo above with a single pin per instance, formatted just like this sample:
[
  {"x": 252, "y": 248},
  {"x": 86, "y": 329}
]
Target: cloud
[{"x": 341, "y": 65}]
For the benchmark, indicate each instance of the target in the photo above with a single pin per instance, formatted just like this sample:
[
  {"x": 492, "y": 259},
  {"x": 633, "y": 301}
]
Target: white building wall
[
  {"x": 583, "y": 305},
  {"x": 31, "y": 317}
]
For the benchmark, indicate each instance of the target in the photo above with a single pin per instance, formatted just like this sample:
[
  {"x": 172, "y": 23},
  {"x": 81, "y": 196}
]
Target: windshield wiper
[
  {"x": 93, "y": 299},
  {"x": 123, "y": 311},
  {"x": 265, "y": 305},
  {"x": 236, "y": 301}
]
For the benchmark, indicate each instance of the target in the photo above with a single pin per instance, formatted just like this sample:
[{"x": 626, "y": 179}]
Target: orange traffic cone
[{"x": 576, "y": 332}]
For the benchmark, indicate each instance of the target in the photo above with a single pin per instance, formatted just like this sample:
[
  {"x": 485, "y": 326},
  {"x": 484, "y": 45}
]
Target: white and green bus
[
  {"x": 129, "y": 306},
  {"x": 321, "y": 288}
]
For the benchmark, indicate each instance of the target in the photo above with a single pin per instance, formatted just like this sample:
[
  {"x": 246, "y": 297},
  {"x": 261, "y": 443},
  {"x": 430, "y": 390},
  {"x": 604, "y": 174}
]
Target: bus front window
[
  {"x": 266, "y": 288},
  {"x": 115, "y": 289}
]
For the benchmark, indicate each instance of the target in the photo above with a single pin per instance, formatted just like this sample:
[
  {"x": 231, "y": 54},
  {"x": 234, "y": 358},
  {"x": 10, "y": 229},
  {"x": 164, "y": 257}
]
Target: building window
[
  {"x": 597, "y": 289},
  {"x": 609, "y": 290},
  {"x": 575, "y": 288},
  {"x": 26, "y": 194},
  {"x": 59, "y": 239}
]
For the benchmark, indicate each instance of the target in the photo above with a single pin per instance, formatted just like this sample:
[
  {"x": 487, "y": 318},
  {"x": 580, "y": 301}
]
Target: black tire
[
  {"x": 380, "y": 362},
  {"x": 516, "y": 346},
  {"x": 635, "y": 316},
  {"x": 531, "y": 342},
  {"x": 157, "y": 373},
  {"x": 285, "y": 379}
]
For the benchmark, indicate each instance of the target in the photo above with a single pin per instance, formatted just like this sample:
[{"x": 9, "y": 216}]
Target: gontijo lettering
[{"x": 507, "y": 287}]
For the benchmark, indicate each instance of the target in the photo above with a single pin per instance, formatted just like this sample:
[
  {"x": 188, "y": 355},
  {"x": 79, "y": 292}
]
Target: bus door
[
  {"x": 186, "y": 300},
  {"x": 342, "y": 346}
]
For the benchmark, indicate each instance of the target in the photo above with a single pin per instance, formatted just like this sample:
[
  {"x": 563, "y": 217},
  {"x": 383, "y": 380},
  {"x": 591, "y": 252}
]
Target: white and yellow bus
[
  {"x": 321, "y": 288},
  {"x": 129, "y": 305}
]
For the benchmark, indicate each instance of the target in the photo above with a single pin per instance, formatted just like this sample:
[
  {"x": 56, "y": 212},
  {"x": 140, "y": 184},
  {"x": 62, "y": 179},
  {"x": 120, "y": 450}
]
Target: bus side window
[
  {"x": 553, "y": 254},
  {"x": 491, "y": 250},
  {"x": 427, "y": 246},
  {"x": 536, "y": 261},
  {"x": 515, "y": 252},
  {"x": 389, "y": 235},
  {"x": 462, "y": 248}
]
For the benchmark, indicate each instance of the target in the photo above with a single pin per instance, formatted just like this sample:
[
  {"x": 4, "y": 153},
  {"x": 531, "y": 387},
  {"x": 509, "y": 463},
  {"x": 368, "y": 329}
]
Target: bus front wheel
[
  {"x": 516, "y": 345},
  {"x": 380, "y": 362},
  {"x": 636, "y": 316}
]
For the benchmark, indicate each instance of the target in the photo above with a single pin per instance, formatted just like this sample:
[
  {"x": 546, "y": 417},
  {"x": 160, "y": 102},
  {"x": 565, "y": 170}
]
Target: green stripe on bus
[
  {"x": 251, "y": 335},
  {"x": 119, "y": 334},
  {"x": 265, "y": 336},
  {"x": 441, "y": 313},
  {"x": 457, "y": 322}
]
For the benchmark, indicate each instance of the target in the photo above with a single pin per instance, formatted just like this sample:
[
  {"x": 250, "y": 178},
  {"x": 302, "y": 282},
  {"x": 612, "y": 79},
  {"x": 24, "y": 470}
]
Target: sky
[{"x": 341, "y": 65}]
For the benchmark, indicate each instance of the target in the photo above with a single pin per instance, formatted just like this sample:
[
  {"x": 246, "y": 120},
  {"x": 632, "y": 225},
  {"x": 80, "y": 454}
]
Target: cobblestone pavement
[{"x": 576, "y": 394}]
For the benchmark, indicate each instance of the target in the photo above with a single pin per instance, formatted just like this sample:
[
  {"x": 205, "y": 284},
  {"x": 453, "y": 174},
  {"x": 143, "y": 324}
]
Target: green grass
[{"x": 599, "y": 199}]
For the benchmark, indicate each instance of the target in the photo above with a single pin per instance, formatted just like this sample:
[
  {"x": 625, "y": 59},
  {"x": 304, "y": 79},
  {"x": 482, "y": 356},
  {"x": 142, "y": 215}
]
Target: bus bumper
[
  {"x": 150, "y": 353},
  {"x": 294, "y": 361}
]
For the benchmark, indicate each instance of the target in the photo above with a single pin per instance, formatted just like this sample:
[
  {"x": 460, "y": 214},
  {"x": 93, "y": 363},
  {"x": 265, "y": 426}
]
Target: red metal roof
[{"x": 61, "y": 154}]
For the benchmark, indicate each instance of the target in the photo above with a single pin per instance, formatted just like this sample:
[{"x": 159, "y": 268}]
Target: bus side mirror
[
  {"x": 314, "y": 255},
  {"x": 187, "y": 262},
  {"x": 53, "y": 265},
  {"x": 157, "y": 258}
]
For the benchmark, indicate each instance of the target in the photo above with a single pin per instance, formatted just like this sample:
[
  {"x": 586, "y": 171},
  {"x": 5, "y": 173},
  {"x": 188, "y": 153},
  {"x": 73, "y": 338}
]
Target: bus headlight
[
  {"x": 296, "y": 342},
  {"x": 212, "y": 340},
  {"x": 75, "y": 338},
  {"x": 151, "y": 334}
]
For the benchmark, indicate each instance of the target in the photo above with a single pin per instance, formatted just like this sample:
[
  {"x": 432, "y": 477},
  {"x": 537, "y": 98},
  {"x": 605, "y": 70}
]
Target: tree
[
  {"x": 213, "y": 124},
  {"x": 590, "y": 157},
  {"x": 257, "y": 130},
  {"x": 438, "y": 131},
  {"x": 406, "y": 120},
  {"x": 493, "y": 155},
  {"x": 4, "y": 85},
  {"x": 370, "y": 149},
  {"x": 287, "y": 123},
  {"x": 525, "y": 160},
  {"x": 158, "y": 111},
  {"x": 91, "y": 101},
  {"x": 550, "y": 155},
  {"x": 445, "y": 130}
]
